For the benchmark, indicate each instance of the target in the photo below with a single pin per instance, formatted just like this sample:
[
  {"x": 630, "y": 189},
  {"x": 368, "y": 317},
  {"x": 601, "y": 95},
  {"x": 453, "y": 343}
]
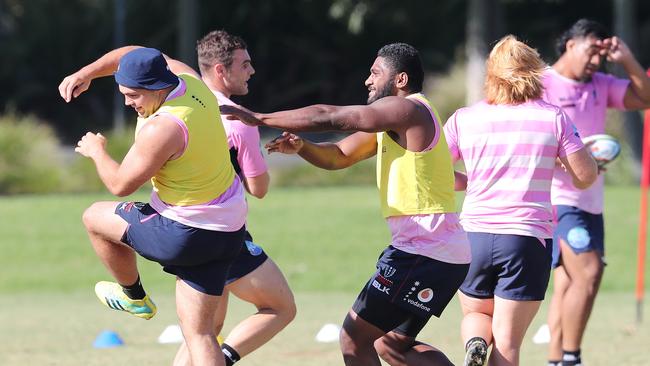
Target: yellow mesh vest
[
  {"x": 415, "y": 183},
  {"x": 204, "y": 170}
]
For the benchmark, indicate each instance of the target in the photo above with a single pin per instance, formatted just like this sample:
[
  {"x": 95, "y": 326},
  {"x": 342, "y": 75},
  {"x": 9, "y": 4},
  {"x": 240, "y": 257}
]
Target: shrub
[
  {"x": 304, "y": 174},
  {"x": 83, "y": 174},
  {"x": 447, "y": 91},
  {"x": 30, "y": 159}
]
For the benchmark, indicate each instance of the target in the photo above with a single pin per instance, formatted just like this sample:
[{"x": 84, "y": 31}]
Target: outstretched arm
[
  {"x": 73, "y": 85},
  {"x": 389, "y": 113},
  {"x": 328, "y": 155}
]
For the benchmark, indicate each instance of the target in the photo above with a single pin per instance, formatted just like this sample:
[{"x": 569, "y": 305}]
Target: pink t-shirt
[
  {"x": 586, "y": 104},
  {"x": 509, "y": 153},
  {"x": 246, "y": 140}
]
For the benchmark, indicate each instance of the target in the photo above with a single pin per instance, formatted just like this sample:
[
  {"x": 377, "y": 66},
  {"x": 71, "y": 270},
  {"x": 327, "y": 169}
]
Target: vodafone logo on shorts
[{"x": 425, "y": 295}]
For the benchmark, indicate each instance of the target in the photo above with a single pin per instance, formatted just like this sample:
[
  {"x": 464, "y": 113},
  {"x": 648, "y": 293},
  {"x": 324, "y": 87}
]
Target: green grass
[
  {"x": 326, "y": 241},
  {"x": 59, "y": 329}
]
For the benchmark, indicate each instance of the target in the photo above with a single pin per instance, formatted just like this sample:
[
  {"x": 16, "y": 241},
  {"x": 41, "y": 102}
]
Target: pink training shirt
[
  {"x": 509, "y": 153},
  {"x": 586, "y": 104},
  {"x": 246, "y": 140}
]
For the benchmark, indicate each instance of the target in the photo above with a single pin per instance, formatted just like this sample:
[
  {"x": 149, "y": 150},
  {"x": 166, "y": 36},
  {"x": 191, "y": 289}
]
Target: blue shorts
[
  {"x": 406, "y": 290},
  {"x": 201, "y": 258},
  {"x": 581, "y": 230},
  {"x": 513, "y": 267},
  {"x": 250, "y": 257}
]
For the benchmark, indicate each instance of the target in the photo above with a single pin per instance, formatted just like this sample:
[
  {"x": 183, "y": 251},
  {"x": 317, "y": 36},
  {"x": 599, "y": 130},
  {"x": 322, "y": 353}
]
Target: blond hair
[{"x": 514, "y": 73}]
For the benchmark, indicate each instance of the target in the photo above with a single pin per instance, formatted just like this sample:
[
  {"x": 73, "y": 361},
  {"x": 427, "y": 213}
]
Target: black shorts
[
  {"x": 250, "y": 257},
  {"x": 406, "y": 290},
  {"x": 201, "y": 258},
  {"x": 513, "y": 267}
]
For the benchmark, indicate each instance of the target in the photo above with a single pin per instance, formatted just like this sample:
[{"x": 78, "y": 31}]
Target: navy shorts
[
  {"x": 581, "y": 230},
  {"x": 250, "y": 257},
  {"x": 406, "y": 290},
  {"x": 513, "y": 267},
  {"x": 201, "y": 258}
]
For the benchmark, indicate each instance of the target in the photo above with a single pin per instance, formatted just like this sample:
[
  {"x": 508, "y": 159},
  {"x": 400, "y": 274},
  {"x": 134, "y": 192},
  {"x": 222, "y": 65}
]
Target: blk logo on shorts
[
  {"x": 383, "y": 280},
  {"x": 380, "y": 287}
]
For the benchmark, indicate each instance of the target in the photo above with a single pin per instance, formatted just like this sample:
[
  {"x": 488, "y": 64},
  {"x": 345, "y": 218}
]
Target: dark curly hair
[{"x": 402, "y": 57}]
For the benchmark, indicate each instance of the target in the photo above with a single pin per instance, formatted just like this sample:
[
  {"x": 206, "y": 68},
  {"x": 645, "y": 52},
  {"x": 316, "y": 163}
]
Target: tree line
[{"x": 304, "y": 51}]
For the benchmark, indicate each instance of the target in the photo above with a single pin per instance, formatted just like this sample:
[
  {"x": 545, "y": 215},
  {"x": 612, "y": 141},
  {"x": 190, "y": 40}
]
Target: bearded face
[
  {"x": 386, "y": 90},
  {"x": 381, "y": 81}
]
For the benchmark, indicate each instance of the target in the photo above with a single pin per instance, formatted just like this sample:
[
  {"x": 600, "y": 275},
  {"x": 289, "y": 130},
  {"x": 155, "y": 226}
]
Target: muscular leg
[
  {"x": 105, "y": 229},
  {"x": 561, "y": 283},
  {"x": 357, "y": 341},
  {"x": 477, "y": 318},
  {"x": 401, "y": 350},
  {"x": 268, "y": 290},
  {"x": 585, "y": 270},
  {"x": 509, "y": 324},
  {"x": 196, "y": 312},
  {"x": 182, "y": 357}
]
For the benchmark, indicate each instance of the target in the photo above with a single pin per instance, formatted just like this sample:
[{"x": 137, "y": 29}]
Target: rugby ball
[{"x": 604, "y": 148}]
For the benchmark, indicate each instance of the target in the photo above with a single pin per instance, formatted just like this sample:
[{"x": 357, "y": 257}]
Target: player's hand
[
  {"x": 599, "y": 162},
  {"x": 240, "y": 113},
  {"x": 91, "y": 144},
  {"x": 73, "y": 85},
  {"x": 287, "y": 143},
  {"x": 616, "y": 50}
]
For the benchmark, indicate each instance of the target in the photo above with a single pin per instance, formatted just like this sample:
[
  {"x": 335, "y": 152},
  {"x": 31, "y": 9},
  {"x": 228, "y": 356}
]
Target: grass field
[{"x": 326, "y": 240}]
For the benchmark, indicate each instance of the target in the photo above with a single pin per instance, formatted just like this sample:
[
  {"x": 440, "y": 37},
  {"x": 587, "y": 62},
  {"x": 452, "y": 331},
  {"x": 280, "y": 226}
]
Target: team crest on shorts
[
  {"x": 383, "y": 273},
  {"x": 578, "y": 237},
  {"x": 386, "y": 270},
  {"x": 253, "y": 248}
]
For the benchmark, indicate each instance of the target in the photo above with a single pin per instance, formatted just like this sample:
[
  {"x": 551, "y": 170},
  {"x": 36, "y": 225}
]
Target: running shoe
[
  {"x": 476, "y": 354},
  {"x": 112, "y": 295}
]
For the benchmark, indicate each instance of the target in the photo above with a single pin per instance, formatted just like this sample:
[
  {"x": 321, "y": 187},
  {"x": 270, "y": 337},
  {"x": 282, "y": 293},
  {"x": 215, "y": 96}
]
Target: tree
[{"x": 484, "y": 25}]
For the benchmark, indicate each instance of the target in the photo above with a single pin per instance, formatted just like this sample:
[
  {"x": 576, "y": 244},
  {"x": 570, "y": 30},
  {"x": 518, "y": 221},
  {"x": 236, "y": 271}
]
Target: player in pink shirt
[
  {"x": 253, "y": 277},
  {"x": 575, "y": 85},
  {"x": 509, "y": 144}
]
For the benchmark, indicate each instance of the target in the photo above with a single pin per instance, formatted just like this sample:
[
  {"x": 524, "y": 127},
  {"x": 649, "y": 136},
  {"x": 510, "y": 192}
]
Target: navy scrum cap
[{"x": 145, "y": 68}]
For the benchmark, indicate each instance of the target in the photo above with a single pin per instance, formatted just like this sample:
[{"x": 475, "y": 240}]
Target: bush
[
  {"x": 446, "y": 92},
  {"x": 83, "y": 174},
  {"x": 30, "y": 159},
  {"x": 304, "y": 174}
]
